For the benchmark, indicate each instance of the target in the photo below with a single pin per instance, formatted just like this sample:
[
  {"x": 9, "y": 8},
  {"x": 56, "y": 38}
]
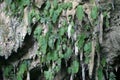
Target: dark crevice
[
  {"x": 116, "y": 64},
  {"x": 118, "y": 74},
  {"x": 35, "y": 74},
  {"x": 1, "y": 74},
  {"x": 27, "y": 44}
]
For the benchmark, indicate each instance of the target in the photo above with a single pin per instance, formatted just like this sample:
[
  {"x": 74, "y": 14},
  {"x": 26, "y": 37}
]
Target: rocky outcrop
[
  {"x": 12, "y": 32},
  {"x": 17, "y": 45},
  {"x": 111, "y": 40}
]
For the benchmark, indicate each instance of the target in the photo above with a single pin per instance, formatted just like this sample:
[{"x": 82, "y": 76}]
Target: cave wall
[{"x": 19, "y": 44}]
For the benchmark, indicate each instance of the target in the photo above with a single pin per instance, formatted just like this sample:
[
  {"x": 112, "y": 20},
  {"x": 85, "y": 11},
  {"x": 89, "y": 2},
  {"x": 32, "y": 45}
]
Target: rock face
[
  {"x": 12, "y": 33},
  {"x": 112, "y": 38}
]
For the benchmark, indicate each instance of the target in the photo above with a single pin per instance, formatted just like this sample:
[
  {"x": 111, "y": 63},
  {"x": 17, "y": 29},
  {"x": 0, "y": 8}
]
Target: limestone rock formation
[
  {"x": 17, "y": 45},
  {"x": 12, "y": 32},
  {"x": 111, "y": 41}
]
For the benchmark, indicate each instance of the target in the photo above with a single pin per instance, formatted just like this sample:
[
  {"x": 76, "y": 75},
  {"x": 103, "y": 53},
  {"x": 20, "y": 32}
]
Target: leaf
[
  {"x": 51, "y": 43},
  {"x": 37, "y": 32},
  {"x": 8, "y": 70},
  {"x": 13, "y": 7},
  {"x": 49, "y": 57},
  {"x": 54, "y": 17},
  {"x": 48, "y": 75},
  {"x": 112, "y": 76},
  {"x": 94, "y": 12},
  {"x": 67, "y": 5},
  {"x": 103, "y": 61},
  {"x": 58, "y": 62},
  {"x": 87, "y": 27},
  {"x": 57, "y": 68},
  {"x": 100, "y": 74},
  {"x": 107, "y": 22},
  {"x": 19, "y": 77},
  {"x": 37, "y": 16},
  {"x": 22, "y": 69},
  {"x": 88, "y": 47},
  {"x": 33, "y": 14},
  {"x": 81, "y": 41},
  {"x": 80, "y": 13},
  {"x": 51, "y": 12},
  {"x": 55, "y": 3},
  {"x": 43, "y": 44},
  {"x": 87, "y": 59},
  {"x": 24, "y": 2},
  {"x": 56, "y": 14},
  {"x": 74, "y": 67},
  {"x": 62, "y": 31},
  {"x": 54, "y": 56},
  {"x": 47, "y": 5},
  {"x": 68, "y": 53}
]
